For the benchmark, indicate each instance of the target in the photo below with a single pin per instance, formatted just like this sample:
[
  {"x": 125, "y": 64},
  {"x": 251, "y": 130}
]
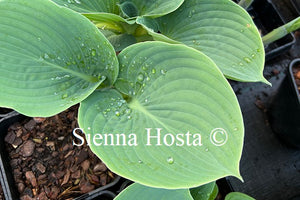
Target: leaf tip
[{"x": 263, "y": 80}]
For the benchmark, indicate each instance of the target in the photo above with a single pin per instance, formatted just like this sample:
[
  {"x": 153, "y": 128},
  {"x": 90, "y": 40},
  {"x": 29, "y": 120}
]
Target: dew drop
[
  {"x": 253, "y": 55},
  {"x": 170, "y": 160},
  {"x": 140, "y": 162},
  {"x": 140, "y": 77},
  {"x": 129, "y": 117},
  {"x": 235, "y": 129},
  {"x": 89, "y": 128},
  {"x": 258, "y": 50},
  {"x": 153, "y": 71},
  {"x": 117, "y": 113},
  {"x": 128, "y": 111},
  {"x": 146, "y": 100},
  {"x": 247, "y": 60},
  {"x": 163, "y": 72},
  {"x": 46, "y": 56},
  {"x": 93, "y": 52},
  {"x": 39, "y": 39},
  {"x": 64, "y": 96},
  {"x": 242, "y": 30},
  {"x": 206, "y": 149},
  {"x": 241, "y": 64}
]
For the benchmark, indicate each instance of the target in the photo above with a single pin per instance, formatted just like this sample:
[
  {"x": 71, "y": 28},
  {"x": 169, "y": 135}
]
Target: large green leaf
[
  {"x": 87, "y": 6},
  {"x": 137, "y": 191},
  {"x": 172, "y": 89},
  {"x": 205, "y": 192},
  {"x": 238, "y": 196},
  {"x": 50, "y": 57},
  {"x": 220, "y": 29},
  {"x": 151, "y": 8}
]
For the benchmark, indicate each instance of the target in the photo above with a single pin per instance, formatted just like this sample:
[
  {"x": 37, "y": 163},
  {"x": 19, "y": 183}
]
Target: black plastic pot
[
  {"x": 267, "y": 18},
  {"x": 6, "y": 176},
  {"x": 296, "y": 4},
  {"x": 284, "y": 111},
  {"x": 4, "y": 112}
]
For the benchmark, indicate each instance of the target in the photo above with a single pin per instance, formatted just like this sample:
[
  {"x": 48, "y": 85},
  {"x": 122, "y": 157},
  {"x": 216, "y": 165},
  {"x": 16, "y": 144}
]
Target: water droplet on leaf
[
  {"x": 170, "y": 160},
  {"x": 247, "y": 60},
  {"x": 93, "y": 52},
  {"x": 163, "y": 72},
  {"x": 140, "y": 77},
  {"x": 64, "y": 96}
]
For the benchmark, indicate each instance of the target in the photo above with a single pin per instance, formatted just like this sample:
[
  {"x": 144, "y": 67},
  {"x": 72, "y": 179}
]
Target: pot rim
[{"x": 292, "y": 64}]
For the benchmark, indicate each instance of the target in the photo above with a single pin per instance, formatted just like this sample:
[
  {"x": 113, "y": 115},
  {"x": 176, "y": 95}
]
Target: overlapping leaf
[
  {"x": 205, "y": 192},
  {"x": 137, "y": 191},
  {"x": 50, "y": 57},
  {"x": 171, "y": 89},
  {"x": 86, "y": 6},
  {"x": 220, "y": 29},
  {"x": 151, "y": 8},
  {"x": 238, "y": 196}
]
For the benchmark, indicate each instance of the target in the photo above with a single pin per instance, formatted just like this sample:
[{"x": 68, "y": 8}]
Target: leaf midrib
[{"x": 135, "y": 105}]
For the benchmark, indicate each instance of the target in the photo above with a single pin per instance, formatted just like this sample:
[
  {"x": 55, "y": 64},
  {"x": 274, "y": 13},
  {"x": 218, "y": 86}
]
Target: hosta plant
[
  {"x": 205, "y": 192},
  {"x": 150, "y": 77}
]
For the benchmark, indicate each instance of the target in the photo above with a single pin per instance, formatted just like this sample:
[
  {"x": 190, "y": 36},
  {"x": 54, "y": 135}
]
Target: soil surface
[
  {"x": 46, "y": 164},
  {"x": 296, "y": 72},
  {"x": 1, "y": 193}
]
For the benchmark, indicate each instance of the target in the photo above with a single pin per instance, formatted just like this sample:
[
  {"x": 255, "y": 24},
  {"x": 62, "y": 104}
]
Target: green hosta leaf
[
  {"x": 238, "y": 196},
  {"x": 50, "y": 57},
  {"x": 220, "y": 29},
  {"x": 151, "y": 8},
  {"x": 108, "y": 21},
  {"x": 205, "y": 192},
  {"x": 137, "y": 191},
  {"x": 168, "y": 89},
  {"x": 113, "y": 23},
  {"x": 87, "y": 6}
]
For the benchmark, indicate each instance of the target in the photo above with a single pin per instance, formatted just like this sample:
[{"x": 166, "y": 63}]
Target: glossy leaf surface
[
  {"x": 137, "y": 191},
  {"x": 87, "y": 6},
  {"x": 178, "y": 93},
  {"x": 220, "y": 29},
  {"x": 50, "y": 57}
]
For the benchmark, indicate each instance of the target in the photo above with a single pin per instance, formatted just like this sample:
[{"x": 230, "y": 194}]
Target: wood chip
[
  {"x": 31, "y": 178},
  {"x": 297, "y": 75},
  {"x": 100, "y": 167},
  {"x": 76, "y": 175},
  {"x": 39, "y": 119},
  {"x": 66, "y": 178},
  {"x": 85, "y": 165},
  {"x": 30, "y": 125},
  {"x": 10, "y": 137},
  {"x": 86, "y": 187},
  {"x": 40, "y": 167},
  {"x": 28, "y": 148}
]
